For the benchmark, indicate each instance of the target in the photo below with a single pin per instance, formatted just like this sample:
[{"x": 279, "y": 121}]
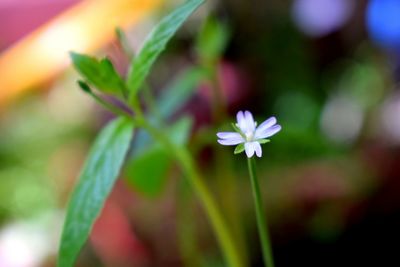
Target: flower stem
[
  {"x": 261, "y": 221},
  {"x": 216, "y": 218}
]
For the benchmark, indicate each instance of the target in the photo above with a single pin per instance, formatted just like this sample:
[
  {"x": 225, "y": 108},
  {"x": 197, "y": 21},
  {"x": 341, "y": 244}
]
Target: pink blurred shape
[
  {"x": 113, "y": 239},
  {"x": 20, "y": 17}
]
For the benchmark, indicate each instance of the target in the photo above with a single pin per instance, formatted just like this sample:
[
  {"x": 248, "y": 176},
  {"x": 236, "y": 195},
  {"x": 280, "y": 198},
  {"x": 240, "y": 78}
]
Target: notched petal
[
  {"x": 249, "y": 148},
  {"x": 228, "y": 135},
  {"x": 250, "y": 124},
  {"x": 257, "y": 148},
  {"x": 266, "y": 124},
  {"x": 230, "y": 142},
  {"x": 268, "y": 132}
]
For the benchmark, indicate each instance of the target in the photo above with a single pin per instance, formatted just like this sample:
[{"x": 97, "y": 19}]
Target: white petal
[
  {"x": 228, "y": 135},
  {"x": 241, "y": 121},
  {"x": 257, "y": 148},
  {"x": 230, "y": 142},
  {"x": 249, "y": 148},
  {"x": 268, "y": 132},
  {"x": 250, "y": 124},
  {"x": 266, "y": 124}
]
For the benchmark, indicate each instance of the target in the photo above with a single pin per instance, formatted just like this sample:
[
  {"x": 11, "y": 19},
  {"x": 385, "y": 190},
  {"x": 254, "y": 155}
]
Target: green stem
[
  {"x": 133, "y": 102},
  {"x": 261, "y": 221},
  {"x": 116, "y": 110},
  {"x": 218, "y": 222}
]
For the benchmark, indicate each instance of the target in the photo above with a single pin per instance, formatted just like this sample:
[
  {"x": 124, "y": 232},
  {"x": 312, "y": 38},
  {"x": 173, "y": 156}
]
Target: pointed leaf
[
  {"x": 263, "y": 141},
  {"x": 84, "y": 86},
  {"x": 99, "y": 73},
  {"x": 97, "y": 178},
  {"x": 156, "y": 42},
  {"x": 239, "y": 148}
]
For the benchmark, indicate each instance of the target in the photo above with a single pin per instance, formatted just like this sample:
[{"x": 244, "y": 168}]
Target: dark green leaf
[
  {"x": 147, "y": 170},
  {"x": 155, "y": 43},
  {"x": 97, "y": 178},
  {"x": 99, "y": 73},
  {"x": 239, "y": 148},
  {"x": 84, "y": 86}
]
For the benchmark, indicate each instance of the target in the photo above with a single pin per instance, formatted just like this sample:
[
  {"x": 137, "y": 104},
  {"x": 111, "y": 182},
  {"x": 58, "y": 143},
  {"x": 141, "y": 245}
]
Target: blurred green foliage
[
  {"x": 30, "y": 136},
  {"x": 212, "y": 40},
  {"x": 147, "y": 170}
]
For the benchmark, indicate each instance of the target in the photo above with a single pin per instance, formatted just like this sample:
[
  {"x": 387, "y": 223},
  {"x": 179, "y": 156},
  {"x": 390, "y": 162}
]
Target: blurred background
[{"x": 327, "y": 69}]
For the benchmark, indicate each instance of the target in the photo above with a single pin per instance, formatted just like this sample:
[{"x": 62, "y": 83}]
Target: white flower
[{"x": 248, "y": 136}]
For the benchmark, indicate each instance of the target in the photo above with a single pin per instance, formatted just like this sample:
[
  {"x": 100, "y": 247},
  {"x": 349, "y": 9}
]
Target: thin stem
[
  {"x": 261, "y": 221},
  {"x": 107, "y": 105},
  {"x": 218, "y": 222}
]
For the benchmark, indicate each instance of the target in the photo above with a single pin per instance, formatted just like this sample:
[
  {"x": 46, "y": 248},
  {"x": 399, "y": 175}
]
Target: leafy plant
[{"x": 107, "y": 155}]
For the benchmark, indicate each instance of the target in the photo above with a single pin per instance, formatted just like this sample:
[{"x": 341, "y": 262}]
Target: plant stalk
[
  {"x": 220, "y": 227},
  {"x": 261, "y": 218}
]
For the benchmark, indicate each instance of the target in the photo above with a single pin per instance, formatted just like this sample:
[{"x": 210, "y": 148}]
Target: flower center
[{"x": 249, "y": 136}]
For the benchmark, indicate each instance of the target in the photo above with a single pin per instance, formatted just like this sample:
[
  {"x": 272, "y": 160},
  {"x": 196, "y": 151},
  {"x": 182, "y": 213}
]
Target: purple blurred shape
[{"x": 317, "y": 18}]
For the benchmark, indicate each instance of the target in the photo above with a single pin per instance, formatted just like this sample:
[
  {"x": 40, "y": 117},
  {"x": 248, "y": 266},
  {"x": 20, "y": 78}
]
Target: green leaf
[
  {"x": 263, "y": 141},
  {"x": 146, "y": 172},
  {"x": 155, "y": 43},
  {"x": 99, "y": 73},
  {"x": 212, "y": 40},
  {"x": 96, "y": 180},
  {"x": 239, "y": 148}
]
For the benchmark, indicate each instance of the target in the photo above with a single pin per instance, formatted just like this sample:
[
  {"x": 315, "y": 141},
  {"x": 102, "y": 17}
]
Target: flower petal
[
  {"x": 241, "y": 122},
  {"x": 250, "y": 124},
  {"x": 230, "y": 142},
  {"x": 266, "y": 124},
  {"x": 257, "y": 148},
  {"x": 228, "y": 135},
  {"x": 268, "y": 132},
  {"x": 249, "y": 148}
]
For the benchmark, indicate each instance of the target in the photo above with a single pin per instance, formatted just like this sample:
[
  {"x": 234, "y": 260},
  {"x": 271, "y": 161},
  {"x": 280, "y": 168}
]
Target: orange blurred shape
[{"x": 84, "y": 27}]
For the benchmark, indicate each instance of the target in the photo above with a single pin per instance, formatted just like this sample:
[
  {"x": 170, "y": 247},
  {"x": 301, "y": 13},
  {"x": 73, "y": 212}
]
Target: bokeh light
[
  {"x": 342, "y": 119},
  {"x": 383, "y": 22},
  {"x": 390, "y": 118},
  {"x": 317, "y": 18}
]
